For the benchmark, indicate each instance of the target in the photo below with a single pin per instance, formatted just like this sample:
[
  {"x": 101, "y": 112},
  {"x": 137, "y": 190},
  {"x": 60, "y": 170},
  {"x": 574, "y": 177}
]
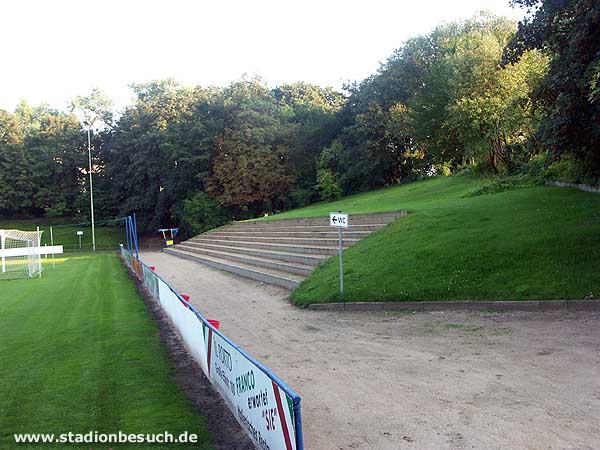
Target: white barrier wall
[
  {"x": 264, "y": 409},
  {"x": 267, "y": 409},
  {"x": 24, "y": 251},
  {"x": 186, "y": 322}
]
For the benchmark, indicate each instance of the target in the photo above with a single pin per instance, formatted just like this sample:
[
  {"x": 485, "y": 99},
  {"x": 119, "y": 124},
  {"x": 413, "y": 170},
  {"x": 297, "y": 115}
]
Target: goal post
[{"x": 20, "y": 254}]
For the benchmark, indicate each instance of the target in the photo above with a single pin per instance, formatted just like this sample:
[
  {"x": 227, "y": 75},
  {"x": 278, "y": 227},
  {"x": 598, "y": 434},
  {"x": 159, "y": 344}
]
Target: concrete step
[
  {"x": 358, "y": 219},
  {"x": 333, "y": 234},
  {"x": 277, "y": 240},
  {"x": 302, "y": 258},
  {"x": 270, "y": 276},
  {"x": 307, "y": 223},
  {"x": 281, "y": 252},
  {"x": 296, "y": 228},
  {"x": 268, "y": 263},
  {"x": 287, "y": 248}
]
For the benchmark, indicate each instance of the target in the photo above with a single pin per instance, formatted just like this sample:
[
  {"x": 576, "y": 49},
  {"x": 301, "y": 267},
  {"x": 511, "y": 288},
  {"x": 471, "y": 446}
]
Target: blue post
[
  {"x": 130, "y": 222},
  {"x": 298, "y": 414},
  {"x": 127, "y": 233},
  {"x": 137, "y": 256}
]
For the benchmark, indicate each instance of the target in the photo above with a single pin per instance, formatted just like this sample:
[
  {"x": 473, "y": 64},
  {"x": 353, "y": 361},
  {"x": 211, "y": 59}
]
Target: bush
[
  {"x": 485, "y": 169},
  {"x": 502, "y": 184},
  {"x": 566, "y": 169},
  {"x": 327, "y": 185},
  {"x": 443, "y": 169},
  {"x": 301, "y": 197},
  {"x": 57, "y": 210},
  {"x": 537, "y": 167},
  {"x": 201, "y": 213}
]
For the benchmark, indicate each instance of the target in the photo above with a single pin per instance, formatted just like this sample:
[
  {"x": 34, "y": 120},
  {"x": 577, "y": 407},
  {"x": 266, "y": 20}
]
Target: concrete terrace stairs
[{"x": 281, "y": 252}]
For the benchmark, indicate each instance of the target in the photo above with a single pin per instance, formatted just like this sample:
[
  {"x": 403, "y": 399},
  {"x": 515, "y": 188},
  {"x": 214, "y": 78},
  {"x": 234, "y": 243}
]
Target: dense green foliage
[
  {"x": 568, "y": 31},
  {"x": 250, "y": 148},
  {"x": 79, "y": 353},
  {"x": 465, "y": 239},
  {"x": 42, "y": 152},
  {"x": 480, "y": 92},
  {"x": 440, "y": 101},
  {"x": 201, "y": 213}
]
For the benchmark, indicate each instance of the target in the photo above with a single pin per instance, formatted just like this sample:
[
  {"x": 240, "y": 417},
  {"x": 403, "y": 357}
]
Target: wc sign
[{"x": 338, "y": 220}]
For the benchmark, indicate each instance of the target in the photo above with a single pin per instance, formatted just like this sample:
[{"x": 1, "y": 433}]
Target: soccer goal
[{"x": 20, "y": 254}]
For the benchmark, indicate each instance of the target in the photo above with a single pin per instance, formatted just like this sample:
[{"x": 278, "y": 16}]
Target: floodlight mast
[{"x": 91, "y": 185}]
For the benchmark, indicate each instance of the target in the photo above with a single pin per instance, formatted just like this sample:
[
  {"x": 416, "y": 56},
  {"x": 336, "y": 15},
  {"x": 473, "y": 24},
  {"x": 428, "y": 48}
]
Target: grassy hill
[{"x": 523, "y": 243}]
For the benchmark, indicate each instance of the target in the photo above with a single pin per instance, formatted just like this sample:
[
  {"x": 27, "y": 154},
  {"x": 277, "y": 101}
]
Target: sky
[{"x": 55, "y": 50}]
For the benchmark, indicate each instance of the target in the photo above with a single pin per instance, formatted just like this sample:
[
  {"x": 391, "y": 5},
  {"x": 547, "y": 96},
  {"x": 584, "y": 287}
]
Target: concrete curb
[
  {"x": 580, "y": 186},
  {"x": 469, "y": 305}
]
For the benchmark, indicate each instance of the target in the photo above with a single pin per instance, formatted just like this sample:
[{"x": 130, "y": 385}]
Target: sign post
[
  {"x": 79, "y": 234},
  {"x": 340, "y": 220}
]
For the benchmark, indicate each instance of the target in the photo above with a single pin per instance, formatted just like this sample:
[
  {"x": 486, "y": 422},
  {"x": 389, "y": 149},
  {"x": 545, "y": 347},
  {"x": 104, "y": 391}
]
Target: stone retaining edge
[
  {"x": 484, "y": 305},
  {"x": 580, "y": 186}
]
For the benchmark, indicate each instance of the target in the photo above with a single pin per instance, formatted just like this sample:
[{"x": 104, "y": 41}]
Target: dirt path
[{"x": 444, "y": 380}]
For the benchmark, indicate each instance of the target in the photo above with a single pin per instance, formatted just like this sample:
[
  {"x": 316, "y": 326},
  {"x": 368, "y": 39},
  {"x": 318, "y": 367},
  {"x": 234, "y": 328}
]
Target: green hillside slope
[{"x": 527, "y": 243}]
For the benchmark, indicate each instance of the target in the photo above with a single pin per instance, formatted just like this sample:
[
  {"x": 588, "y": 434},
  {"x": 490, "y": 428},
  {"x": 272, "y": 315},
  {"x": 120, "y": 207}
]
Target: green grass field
[
  {"x": 108, "y": 236},
  {"x": 526, "y": 243},
  {"x": 79, "y": 352}
]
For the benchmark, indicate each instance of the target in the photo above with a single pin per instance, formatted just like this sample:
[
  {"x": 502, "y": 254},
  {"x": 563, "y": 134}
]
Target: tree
[
  {"x": 312, "y": 114},
  {"x": 58, "y": 156},
  {"x": 41, "y": 157},
  {"x": 568, "y": 31},
  {"x": 250, "y": 171},
  {"x": 328, "y": 184},
  {"x": 145, "y": 162},
  {"x": 16, "y": 189},
  {"x": 95, "y": 111},
  {"x": 492, "y": 113},
  {"x": 460, "y": 79}
]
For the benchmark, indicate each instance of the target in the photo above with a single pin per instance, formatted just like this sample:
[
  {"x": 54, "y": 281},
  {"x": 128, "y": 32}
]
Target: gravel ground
[{"x": 437, "y": 380}]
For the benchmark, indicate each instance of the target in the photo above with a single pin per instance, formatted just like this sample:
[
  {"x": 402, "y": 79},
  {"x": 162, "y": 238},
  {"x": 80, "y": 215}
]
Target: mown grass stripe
[{"x": 79, "y": 352}]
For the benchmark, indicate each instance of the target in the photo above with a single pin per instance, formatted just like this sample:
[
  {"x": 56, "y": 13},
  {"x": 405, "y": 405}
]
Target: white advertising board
[
  {"x": 263, "y": 409},
  {"x": 186, "y": 322}
]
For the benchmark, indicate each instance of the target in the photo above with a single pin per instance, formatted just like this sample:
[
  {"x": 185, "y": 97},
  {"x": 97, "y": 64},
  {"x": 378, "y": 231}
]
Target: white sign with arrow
[{"x": 338, "y": 220}]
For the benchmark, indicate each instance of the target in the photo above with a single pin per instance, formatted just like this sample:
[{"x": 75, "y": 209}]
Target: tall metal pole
[
  {"x": 341, "y": 239},
  {"x": 91, "y": 186},
  {"x": 39, "y": 243},
  {"x": 52, "y": 245}
]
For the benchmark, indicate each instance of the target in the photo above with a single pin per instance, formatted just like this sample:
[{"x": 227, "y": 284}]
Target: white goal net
[{"x": 20, "y": 254}]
